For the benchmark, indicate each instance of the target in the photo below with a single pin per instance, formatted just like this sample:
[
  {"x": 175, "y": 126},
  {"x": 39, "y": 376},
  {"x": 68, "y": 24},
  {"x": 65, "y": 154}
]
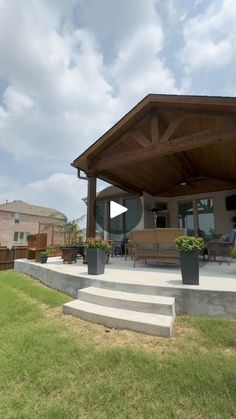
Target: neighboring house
[{"x": 18, "y": 219}]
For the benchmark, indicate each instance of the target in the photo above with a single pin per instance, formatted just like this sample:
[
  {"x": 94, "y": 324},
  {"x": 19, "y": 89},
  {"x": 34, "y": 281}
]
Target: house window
[
  {"x": 186, "y": 216},
  {"x": 20, "y": 237},
  {"x": 16, "y": 235},
  {"x": 17, "y": 218}
]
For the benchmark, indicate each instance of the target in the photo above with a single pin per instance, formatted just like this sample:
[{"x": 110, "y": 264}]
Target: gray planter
[
  {"x": 43, "y": 259},
  {"x": 189, "y": 268},
  {"x": 96, "y": 259}
]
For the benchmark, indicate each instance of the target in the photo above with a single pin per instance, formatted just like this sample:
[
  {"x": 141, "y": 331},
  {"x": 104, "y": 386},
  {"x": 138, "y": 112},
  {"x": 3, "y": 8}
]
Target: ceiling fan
[{"x": 191, "y": 180}]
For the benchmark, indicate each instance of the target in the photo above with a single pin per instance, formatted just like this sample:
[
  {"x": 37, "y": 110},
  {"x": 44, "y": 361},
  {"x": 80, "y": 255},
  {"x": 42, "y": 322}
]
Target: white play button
[{"x": 116, "y": 209}]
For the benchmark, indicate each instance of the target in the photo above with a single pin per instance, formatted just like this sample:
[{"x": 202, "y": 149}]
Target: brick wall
[{"x": 27, "y": 224}]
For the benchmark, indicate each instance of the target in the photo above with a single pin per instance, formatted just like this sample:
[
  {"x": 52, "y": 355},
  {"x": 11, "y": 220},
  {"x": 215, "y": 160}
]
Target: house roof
[
  {"x": 165, "y": 139},
  {"x": 22, "y": 207}
]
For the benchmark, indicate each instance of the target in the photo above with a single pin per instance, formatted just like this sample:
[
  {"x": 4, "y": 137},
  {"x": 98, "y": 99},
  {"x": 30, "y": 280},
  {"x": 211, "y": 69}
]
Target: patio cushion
[{"x": 231, "y": 236}]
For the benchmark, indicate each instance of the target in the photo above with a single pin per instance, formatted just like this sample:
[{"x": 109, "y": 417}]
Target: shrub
[
  {"x": 233, "y": 253},
  {"x": 189, "y": 244},
  {"x": 98, "y": 243}
]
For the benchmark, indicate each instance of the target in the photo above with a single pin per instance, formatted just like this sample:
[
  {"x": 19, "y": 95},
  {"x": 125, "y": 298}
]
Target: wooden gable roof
[{"x": 168, "y": 145}]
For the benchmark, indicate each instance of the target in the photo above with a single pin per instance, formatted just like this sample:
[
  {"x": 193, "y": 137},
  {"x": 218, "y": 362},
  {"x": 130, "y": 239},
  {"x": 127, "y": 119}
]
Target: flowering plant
[
  {"x": 189, "y": 244},
  {"x": 98, "y": 243}
]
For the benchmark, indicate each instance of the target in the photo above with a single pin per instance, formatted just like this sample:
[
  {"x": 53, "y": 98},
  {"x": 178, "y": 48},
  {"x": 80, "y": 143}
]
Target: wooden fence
[{"x": 7, "y": 256}]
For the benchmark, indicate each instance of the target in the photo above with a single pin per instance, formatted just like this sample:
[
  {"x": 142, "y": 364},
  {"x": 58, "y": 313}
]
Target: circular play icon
[{"x": 116, "y": 214}]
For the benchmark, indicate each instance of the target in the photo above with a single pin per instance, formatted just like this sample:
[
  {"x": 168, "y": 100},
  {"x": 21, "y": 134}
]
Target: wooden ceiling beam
[
  {"x": 155, "y": 129},
  {"x": 172, "y": 127},
  {"x": 120, "y": 183},
  {"x": 218, "y": 178},
  {"x": 139, "y": 137},
  {"x": 186, "y": 112},
  {"x": 163, "y": 148},
  {"x": 210, "y": 184}
]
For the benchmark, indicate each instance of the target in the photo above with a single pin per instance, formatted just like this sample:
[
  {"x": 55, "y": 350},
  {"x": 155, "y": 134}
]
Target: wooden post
[
  {"x": 91, "y": 206},
  {"x": 52, "y": 234}
]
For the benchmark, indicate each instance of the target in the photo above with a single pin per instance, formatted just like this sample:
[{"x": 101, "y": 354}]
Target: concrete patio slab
[{"x": 215, "y": 295}]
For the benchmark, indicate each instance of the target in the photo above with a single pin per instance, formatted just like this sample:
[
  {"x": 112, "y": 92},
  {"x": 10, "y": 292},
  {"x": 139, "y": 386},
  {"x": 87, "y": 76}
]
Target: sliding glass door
[
  {"x": 205, "y": 213},
  {"x": 196, "y": 216},
  {"x": 186, "y": 218}
]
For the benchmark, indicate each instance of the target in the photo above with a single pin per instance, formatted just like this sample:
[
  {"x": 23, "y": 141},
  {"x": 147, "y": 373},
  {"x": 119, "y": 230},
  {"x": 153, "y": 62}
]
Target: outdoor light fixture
[
  {"x": 183, "y": 183},
  {"x": 154, "y": 211}
]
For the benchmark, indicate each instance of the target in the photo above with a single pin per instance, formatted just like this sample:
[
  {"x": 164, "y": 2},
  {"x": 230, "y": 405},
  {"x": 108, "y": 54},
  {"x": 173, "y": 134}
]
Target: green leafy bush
[
  {"x": 49, "y": 251},
  {"x": 233, "y": 253},
  {"x": 44, "y": 254},
  {"x": 189, "y": 244},
  {"x": 98, "y": 243}
]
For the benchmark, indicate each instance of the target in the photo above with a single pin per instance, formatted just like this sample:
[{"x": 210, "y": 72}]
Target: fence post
[{"x": 52, "y": 234}]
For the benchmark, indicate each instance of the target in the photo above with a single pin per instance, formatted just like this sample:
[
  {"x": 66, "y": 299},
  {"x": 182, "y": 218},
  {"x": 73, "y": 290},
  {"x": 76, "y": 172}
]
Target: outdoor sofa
[{"x": 157, "y": 244}]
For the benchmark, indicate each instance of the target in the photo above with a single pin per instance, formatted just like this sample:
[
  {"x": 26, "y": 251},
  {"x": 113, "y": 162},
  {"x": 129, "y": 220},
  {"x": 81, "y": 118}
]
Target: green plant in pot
[
  {"x": 189, "y": 248},
  {"x": 44, "y": 256},
  {"x": 97, "y": 250},
  {"x": 46, "y": 253}
]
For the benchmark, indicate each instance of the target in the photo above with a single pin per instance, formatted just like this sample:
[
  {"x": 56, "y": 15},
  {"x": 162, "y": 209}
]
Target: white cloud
[
  {"x": 69, "y": 69},
  {"x": 16, "y": 102},
  {"x": 210, "y": 37},
  {"x": 60, "y": 191},
  {"x": 138, "y": 69},
  {"x": 55, "y": 82}
]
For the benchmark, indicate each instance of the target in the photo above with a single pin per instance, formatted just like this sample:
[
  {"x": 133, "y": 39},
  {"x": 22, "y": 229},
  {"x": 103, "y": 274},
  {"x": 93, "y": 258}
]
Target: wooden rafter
[
  {"x": 139, "y": 137},
  {"x": 162, "y": 148},
  {"x": 155, "y": 129},
  {"x": 120, "y": 183},
  {"x": 209, "y": 184},
  {"x": 172, "y": 127}
]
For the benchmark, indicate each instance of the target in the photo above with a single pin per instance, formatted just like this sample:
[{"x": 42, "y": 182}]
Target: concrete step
[
  {"x": 129, "y": 301},
  {"x": 153, "y": 324}
]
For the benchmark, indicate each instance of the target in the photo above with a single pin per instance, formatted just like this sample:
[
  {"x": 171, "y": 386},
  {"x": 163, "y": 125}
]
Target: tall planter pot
[
  {"x": 189, "y": 267},
  {"x": 43, "y": 259},
  {"x": 96, "y": 259}
]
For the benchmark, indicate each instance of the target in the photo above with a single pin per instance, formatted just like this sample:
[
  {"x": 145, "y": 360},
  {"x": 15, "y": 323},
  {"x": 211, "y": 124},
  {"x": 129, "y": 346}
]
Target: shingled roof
[{"x": 25, "y": 208}]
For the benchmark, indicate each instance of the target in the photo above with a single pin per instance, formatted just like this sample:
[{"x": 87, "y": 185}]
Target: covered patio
[{"x": 178, "y": 153}]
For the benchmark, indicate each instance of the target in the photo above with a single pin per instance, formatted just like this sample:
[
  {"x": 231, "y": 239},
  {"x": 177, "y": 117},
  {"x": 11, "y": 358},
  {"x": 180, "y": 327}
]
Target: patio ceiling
[{"x": 166, "y": 141}]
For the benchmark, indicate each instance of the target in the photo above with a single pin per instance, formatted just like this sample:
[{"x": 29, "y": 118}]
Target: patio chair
[
  {"x": 116, "y": 248},
  {"x": 129, "y": 249},
  {"x": 221, "y": 247}
]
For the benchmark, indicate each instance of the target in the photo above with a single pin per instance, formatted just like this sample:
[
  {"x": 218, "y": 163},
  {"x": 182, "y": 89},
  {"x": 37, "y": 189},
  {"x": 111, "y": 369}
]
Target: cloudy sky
[{"x": 69, "y": 69}]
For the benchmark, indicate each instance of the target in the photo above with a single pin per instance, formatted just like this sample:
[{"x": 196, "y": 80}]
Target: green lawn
[{"x": 57, "y": 366}]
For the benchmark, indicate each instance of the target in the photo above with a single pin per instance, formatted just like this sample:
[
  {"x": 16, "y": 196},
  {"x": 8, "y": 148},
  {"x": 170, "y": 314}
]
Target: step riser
[
  {"x": 168, "y": 310},
  {"x": 133, "y": 288},
  {"x": 116, "y": 323}
]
